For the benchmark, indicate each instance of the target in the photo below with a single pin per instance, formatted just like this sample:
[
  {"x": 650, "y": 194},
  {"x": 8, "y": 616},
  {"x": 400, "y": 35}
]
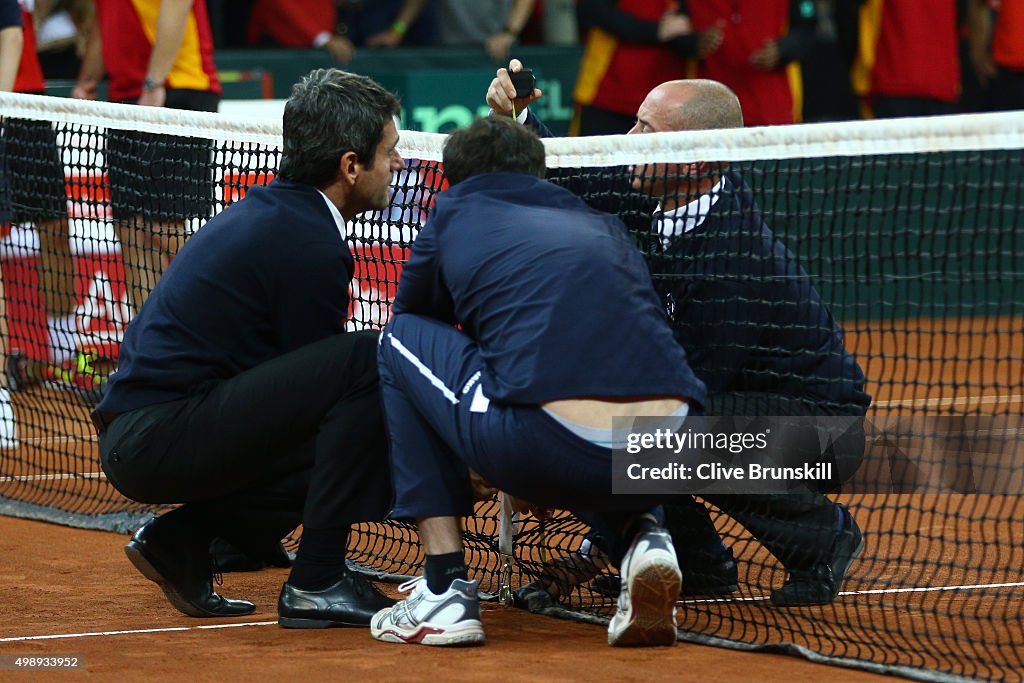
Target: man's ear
[
  {"x": 707, "y": 169},
  {"x": 692, "y": 170},
  {"x": 714, "y": 167},
  {"x": 348, "y": 168}
]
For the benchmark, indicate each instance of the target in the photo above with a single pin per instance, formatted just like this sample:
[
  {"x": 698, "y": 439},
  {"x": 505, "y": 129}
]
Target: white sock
[
  {"x": 63, "y": 333},
  {"x": 8, "y": 425}
]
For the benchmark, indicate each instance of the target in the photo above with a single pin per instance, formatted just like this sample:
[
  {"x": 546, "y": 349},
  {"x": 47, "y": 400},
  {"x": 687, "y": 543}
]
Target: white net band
[{"x": 845, "y": 138}]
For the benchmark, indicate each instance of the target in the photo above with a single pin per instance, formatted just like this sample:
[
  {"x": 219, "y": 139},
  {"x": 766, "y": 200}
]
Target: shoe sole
[
  {"x": 469, "y": 633},
  {"x": 842, "y": 569},
  {"x": 137, "y": 556},
  {"x": 297, "y": 622},
  {"x": 685, "y": 591},
  {"x": 652, "y": 593}
]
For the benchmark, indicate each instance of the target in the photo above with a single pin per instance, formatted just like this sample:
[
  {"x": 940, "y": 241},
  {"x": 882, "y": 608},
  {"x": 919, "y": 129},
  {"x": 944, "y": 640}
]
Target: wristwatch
[{"x": 149, "y": 84}]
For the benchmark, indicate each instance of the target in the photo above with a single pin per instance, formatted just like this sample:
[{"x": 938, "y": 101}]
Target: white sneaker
[
  {"x": 646, "y": 612},
  {"x": 8, "y": 425},
  {"x": 452, "y": 618}
]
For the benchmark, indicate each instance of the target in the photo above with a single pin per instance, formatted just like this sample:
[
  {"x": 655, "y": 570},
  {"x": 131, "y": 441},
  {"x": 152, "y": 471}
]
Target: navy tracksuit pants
[{"x": 441, "y": 423}]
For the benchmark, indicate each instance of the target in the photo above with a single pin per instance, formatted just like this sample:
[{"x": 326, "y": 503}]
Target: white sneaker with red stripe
[{"x": 423, "y": 618}]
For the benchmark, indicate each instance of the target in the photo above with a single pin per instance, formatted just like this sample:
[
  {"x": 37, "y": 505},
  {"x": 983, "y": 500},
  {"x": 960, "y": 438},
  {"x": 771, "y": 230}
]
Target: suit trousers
[
  {"x": 797, "y": 528},
  {"x": 298, "y": 439}
]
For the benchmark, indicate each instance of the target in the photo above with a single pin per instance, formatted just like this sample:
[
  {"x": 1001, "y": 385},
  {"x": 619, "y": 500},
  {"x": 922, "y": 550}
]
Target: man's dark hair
[
  {"x": 329, "y": 113},
  {"x": 492, "y": 144}
]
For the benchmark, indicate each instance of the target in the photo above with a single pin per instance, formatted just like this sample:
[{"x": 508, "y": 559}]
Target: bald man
[{"x": 754, "y": 328}]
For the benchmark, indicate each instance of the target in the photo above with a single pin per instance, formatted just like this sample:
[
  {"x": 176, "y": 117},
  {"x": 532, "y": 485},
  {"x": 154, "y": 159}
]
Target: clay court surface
[{"x": 56, "y": 580}]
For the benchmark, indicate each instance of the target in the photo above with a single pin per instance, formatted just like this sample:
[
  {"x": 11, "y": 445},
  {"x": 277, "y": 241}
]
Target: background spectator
[
  {"x": 11, "y": 42},
  {"x": 156, "y": 53},
  {"x": 495, "y": 24},
  {"x": 60, "y": 35},
  {"x": 34, "y": 177},
  {"x": 388, "y": 23},
  {"x": 762, "y": 44},
  {"x": 828, "y": 92},
  {"x": 560, "y": 25},
  {"x": 997, "y": 51},
  {"x": 341, "y": 27},
  {"x": 630, "y": 47},
  {"x": 908, "y": 63}
]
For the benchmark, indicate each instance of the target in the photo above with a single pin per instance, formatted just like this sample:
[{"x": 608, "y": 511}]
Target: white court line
[
  {"x": 169, "y": 629},
  {"x": 949, "y": 402},
  {"x": 53, "y": 477},
  {"x": 60, "y": 439},
  {"x": 927, "y": 589},
  {"x": 873, "y": 591}
]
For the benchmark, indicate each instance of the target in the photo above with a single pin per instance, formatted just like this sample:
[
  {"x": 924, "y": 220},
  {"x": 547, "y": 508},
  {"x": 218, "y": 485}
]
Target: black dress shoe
[
  {"x": 350, "y": 602},
  {"x": 228, "y": 557},
  {"x": 821, "y": 583},
  {"x": 181, "y": 567}
]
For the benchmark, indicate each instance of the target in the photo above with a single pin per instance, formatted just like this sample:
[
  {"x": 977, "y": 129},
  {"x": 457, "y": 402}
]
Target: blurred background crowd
[{"x": 789, "y": 60}]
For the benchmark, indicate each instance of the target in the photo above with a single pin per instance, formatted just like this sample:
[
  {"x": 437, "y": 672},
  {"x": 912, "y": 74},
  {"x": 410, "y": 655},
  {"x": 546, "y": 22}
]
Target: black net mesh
[{"x": 916, "y": 255}]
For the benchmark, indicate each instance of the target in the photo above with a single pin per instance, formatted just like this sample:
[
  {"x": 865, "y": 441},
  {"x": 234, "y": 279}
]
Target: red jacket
[
  {"x": 30, "y": 74},
  {"x": 1008, "y": 35},
  {"x": 908, "y": 48},
  {"x": 767, "y": 97},
  {"x": 617, "y": 75},
  {"x": 291, "y": 24},
  {"x": 126, "y": 27}
]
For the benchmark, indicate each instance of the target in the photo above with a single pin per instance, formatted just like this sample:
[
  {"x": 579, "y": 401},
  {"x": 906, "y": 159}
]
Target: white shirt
[
  {"x": 688, "y": 217},
  {"x": 677, "y": 221},
  {"x": 337, "y": 216}
]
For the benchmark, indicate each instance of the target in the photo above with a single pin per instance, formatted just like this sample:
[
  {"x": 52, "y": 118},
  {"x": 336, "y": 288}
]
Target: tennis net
[{"x": 909, "y": 229}]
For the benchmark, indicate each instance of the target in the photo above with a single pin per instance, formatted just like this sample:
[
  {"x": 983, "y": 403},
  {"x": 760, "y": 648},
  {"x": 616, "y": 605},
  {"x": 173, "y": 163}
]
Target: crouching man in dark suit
[{"x": 238, "y": 393}]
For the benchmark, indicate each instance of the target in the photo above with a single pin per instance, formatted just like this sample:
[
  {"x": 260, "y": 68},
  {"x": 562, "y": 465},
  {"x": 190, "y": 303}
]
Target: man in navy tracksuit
[
  {"x": 560, "y": 331},
  {"x": 755, "y": 330}
]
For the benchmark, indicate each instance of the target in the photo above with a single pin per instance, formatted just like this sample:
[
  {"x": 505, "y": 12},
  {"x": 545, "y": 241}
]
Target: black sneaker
[
  {"x": 821, "y": 583},
  {"x": 533, "y": 597},
  {"x": 709, "y": 574}
]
